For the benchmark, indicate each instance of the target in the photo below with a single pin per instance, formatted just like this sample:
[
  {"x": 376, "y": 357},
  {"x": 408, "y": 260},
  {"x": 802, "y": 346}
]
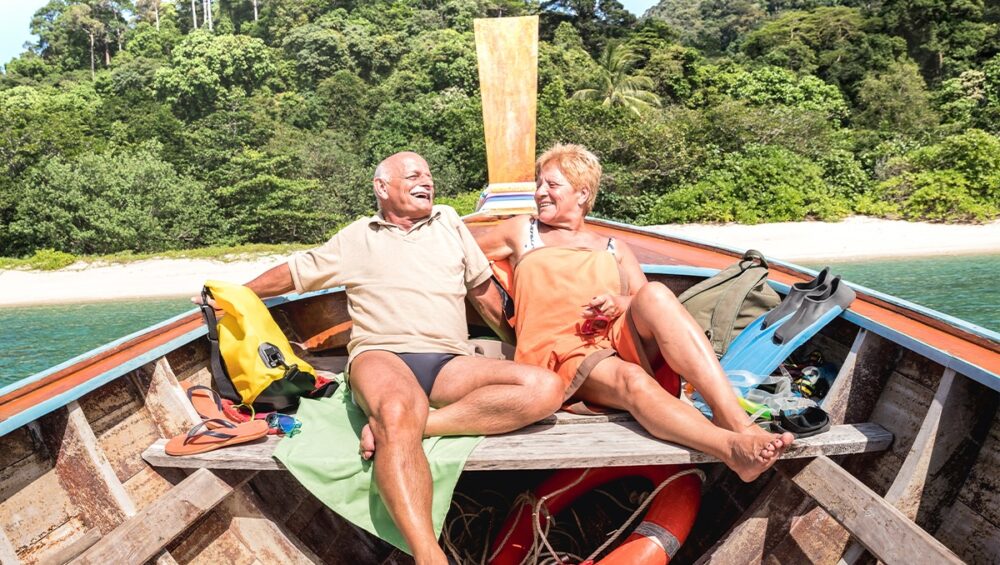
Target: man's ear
[
  {"x": 380, "y": 188},
  {"x": 583, "y": 197}
]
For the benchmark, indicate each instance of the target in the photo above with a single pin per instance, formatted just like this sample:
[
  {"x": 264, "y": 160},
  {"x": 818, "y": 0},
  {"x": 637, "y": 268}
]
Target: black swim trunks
[{"x": 426, "y": 366}]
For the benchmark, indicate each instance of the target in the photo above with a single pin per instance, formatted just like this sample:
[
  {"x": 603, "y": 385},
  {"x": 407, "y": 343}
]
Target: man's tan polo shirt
[{"x": 405, "y": 290}]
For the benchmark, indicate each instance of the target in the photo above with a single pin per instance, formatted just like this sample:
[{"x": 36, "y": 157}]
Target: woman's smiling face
[{"x": 556, "y": 198}]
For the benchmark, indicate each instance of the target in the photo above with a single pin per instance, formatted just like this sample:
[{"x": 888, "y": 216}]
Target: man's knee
[
  {"x": 542, "y": 389},
  {"x": 399, "y": 416}
]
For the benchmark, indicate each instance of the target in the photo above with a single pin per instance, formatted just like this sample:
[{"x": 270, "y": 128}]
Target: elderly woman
[{"x": 585, "y": 310}]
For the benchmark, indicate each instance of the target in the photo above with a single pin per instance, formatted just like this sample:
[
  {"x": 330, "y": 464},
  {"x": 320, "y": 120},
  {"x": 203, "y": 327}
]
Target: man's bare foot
[
  {"x": 367, "y": 447},
  {"x": 752, "y": 453}
]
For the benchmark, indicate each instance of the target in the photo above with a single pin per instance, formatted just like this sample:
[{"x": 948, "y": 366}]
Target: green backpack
[{"x": 728, "y": 302}]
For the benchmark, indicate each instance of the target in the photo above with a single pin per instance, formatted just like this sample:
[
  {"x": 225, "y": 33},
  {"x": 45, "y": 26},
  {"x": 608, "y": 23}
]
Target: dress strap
[
  {"x": 612, "y": 246},
  {"x": 533, "y": 240}
]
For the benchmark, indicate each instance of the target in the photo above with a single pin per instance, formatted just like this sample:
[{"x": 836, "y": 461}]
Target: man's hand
[
  {"x": 609, "y": 305},
  {"x": 197, "y": 300}
]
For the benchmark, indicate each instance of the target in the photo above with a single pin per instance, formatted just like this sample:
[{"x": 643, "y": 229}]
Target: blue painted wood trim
[{"x": 96, "y": 382}]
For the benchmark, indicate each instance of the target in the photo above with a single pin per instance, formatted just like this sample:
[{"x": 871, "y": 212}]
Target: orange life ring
[{"x": 661, "y": 533}]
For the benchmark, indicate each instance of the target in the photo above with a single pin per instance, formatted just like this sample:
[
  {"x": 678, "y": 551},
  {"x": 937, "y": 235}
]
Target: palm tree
[{"x": 617, "y": 87}]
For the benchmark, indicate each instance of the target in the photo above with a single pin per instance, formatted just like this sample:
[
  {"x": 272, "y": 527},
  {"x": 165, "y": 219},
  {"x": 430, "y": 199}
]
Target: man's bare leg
[
  {"x": 397, "y": 413},
  {"x": 480, "y": 396},
  {"x": 619, "y": 384},
  {"x": 662, "y": 320}
]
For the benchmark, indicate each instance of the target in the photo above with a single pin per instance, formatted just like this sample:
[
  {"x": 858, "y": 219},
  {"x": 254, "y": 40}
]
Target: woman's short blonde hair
[{"x": 580, "y": 167}]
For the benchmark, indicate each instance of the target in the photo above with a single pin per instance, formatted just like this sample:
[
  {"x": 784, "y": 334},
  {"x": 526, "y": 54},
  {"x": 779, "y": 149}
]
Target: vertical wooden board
[
  {"x": 150, "y": 484},
  {"x": 973, "y": 538},
  {"x": 22, "y": 473},
  {"x": 919, "y": 369},
  {"x": 84, "y": 471},
  {"x": 184, "y": 358},
  {"x": 37, "y": 508},
  {"x": 264, "y": 540},
  {"x": 123, "y": 444},
  {"x": 981, "y": 491},
  {"x": 507, "y": 51},
  {"x": 901, "y": 410},
  {"x": 861, "y": 378},
  {"x": 16, "y": 446},
  {"x": 164, "y": 399},
  {"x": 107, "y": 406},
  {"x": 186, "y": 547}
]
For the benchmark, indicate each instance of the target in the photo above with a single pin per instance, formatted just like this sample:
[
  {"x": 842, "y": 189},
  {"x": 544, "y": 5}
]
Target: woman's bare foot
[
  {"x": 752, "y": 453},
  {"x": 367, "y": 447}
]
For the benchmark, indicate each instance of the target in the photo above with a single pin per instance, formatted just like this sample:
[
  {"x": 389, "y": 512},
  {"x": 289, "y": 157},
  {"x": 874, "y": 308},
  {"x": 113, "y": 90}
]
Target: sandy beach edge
[{"x": 856, "y": 238}]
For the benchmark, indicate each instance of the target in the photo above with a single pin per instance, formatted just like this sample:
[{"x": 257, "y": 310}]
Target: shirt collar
[{"x": 378, "y": 220}]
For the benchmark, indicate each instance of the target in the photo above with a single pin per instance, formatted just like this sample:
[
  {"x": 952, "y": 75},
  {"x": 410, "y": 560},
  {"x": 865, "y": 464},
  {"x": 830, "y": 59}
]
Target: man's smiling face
[{"x": 409, "y": 189}]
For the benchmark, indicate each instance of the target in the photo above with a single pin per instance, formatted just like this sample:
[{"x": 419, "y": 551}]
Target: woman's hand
[{"x": 610, "y": 305}]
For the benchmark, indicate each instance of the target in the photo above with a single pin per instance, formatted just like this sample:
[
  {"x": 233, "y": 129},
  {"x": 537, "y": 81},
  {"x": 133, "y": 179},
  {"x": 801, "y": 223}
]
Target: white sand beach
[{"x": 851, "y": 239}]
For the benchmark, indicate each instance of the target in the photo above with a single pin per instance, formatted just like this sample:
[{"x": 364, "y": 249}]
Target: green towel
[{"x": 323, "y": 456}]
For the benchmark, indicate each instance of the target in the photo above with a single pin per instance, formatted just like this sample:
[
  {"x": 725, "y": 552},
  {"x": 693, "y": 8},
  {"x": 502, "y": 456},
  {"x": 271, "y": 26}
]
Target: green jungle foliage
[{"x": 141, "y": 127}]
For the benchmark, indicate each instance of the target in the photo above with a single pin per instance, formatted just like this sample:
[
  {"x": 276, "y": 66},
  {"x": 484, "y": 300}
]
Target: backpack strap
[{"x": 219, "y": 375}]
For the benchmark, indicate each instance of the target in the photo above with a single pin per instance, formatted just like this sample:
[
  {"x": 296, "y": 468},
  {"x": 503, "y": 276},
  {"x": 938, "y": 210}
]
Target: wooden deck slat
[
  {"x": 144, "y": 535},
  {"x": 606, "y": 444},
  {"x": 877, "y": 524}
]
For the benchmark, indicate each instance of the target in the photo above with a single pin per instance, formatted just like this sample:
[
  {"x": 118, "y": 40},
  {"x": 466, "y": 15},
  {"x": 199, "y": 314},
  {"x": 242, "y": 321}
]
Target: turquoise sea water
[
  {"x": 963, "y": 286},
  {"x": 35, "y": 338}
]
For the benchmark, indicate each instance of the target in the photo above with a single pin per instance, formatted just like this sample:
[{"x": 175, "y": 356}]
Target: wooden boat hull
[{"x": 74, "y": 484}]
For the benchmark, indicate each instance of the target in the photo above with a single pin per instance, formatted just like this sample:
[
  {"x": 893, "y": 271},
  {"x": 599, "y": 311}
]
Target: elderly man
[{"x": 407, "y": 271}]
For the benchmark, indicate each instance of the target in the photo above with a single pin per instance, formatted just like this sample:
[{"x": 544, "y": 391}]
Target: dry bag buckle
[{"x": 271, "y": 355}]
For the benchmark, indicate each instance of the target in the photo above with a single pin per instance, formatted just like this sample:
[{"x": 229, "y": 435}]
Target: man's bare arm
[
  {"x": 486, "y": 300},
  {"x": 272, "y": 282}
]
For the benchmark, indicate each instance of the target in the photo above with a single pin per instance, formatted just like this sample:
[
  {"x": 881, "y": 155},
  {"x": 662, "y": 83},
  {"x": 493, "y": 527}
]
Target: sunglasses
[
  {"x": 594, "y": 326},
  {"x": 288, "y": 425}
]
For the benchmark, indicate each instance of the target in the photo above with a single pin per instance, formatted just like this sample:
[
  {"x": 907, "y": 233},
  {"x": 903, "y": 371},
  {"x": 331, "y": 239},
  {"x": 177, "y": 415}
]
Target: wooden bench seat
[{"x": 564, "y": 442}]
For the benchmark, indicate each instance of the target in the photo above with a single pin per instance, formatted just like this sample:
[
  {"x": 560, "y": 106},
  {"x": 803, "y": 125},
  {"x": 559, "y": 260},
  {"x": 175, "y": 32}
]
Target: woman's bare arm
[{"x": 500, "y": 242}]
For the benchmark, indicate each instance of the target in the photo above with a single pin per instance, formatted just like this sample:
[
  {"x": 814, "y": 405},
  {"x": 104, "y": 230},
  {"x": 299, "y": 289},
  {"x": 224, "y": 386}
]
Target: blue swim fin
[{"x": 762, "y": 346}]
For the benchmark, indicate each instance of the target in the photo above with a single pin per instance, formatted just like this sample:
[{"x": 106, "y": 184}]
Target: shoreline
[{"x": 855, "y": 239}]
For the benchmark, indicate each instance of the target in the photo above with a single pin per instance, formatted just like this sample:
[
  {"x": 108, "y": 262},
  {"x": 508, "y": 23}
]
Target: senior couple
[{"x": 408, "y": 270}]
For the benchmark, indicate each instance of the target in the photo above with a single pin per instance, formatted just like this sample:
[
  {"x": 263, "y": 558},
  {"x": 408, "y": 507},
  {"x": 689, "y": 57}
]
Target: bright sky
[{"x": 15, "y": 16}]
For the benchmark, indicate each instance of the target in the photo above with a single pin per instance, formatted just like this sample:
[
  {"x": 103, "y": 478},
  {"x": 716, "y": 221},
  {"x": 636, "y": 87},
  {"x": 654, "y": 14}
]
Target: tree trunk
[
  {"x": 107, "y": 53},
  {"x": 207, "y": 13},
  {"x": 194, "y": 15},
  {"x": 91, "y": 34},
  {"x": 156, "y": 14},
  {"x": 254, "y": 10}
]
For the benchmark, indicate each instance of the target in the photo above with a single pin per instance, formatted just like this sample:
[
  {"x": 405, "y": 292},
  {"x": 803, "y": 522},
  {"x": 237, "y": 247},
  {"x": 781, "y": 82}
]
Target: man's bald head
[{"x": 390, "y": 166}]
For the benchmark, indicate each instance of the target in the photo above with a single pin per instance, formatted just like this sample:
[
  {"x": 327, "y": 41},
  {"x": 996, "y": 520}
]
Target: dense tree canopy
[{"x": 144, "y": 125}]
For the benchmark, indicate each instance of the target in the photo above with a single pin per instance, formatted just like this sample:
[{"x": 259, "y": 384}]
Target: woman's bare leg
[
  {"x": 661, "y": 319},
  {"x": 619, "y": 384}
]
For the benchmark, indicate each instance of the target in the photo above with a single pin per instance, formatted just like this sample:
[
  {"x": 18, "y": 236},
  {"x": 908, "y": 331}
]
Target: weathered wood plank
[
  {"x": 554, "y": 447},
  {"x": 144, "y": 535},
  {"x": 885, "y": 531},
  {"x": 7, "y": 552},
  {"x": 84, "y": 470},
  {"x": 164, "y": 398},
  {"x": 862, "y": 376}
]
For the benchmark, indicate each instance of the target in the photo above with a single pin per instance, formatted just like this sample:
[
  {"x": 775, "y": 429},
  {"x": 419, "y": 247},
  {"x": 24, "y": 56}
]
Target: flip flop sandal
[
  {"x": 809, "y": 422},
  {"x": 213, "y": 434},
  {"x": 210, "y": 406}
]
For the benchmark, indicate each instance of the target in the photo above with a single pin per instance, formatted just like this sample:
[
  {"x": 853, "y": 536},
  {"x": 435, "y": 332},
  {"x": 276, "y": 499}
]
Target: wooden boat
[{"x": 908, "y": 474}]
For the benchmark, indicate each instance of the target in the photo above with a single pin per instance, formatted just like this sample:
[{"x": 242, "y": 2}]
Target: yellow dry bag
[{"x": 252, "y": 361}]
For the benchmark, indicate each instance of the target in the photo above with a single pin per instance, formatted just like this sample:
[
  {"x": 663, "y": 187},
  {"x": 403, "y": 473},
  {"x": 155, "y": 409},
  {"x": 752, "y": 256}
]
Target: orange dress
[{"x": 552, "y": 286}]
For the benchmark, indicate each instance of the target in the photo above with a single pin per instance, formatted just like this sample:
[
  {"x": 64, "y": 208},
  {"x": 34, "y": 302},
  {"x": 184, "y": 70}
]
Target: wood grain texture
[
  {"x": 144, "y": 535},
  {"x": 880, "y": 527},
  {"x": 607, "y": 444},
  {"x": 507, "y": 51}
]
